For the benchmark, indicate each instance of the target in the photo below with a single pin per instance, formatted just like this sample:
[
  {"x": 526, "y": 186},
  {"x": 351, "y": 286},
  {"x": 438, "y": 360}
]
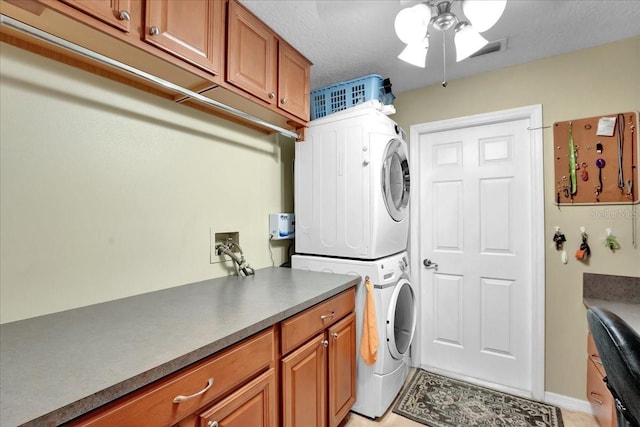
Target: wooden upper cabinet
[
  {"x": 294, "y": 73},
  {"x": 189, "y": 29},
  {"x": 116, "y": 13},
  {"x": 265, "y": 66},
  {"x": 251, "y": 54}
]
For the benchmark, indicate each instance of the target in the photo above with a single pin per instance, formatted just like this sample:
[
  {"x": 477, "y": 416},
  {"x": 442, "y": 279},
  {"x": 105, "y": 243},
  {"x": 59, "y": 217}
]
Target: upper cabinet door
[
  {"x": 293, "y": 81},
  {"x": 190, "y": 29},
  {"x": 114, "y": 12},
  {"x": 251, "y": 54}
]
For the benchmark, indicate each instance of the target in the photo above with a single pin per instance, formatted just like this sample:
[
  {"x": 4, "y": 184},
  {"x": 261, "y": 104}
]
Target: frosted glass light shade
[
  {"x": 468, "y": 41},
  {"x": 415, "y": 54},
  {"x": 411, "y": 23},
  {"x": 483, "y": 14}
]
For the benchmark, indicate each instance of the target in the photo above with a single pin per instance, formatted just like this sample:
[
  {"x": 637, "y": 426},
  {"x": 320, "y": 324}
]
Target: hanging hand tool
[
  {"x": 620, "y": 152},
  {"x": 572, "y": 164},
  {"x": 600, "y": 164}
]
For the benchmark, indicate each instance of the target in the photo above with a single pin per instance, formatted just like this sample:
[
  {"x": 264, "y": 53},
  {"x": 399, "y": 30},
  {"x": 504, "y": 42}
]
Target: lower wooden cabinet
[
  {"x": 304, "y": 384},
  {"x": 252, "y": 405},
  {"x": 177, "y": 397},
  {"x": 342, "y": 369},
  {"x": 597, "y": 392},
  {"x": 309, "y": 373},
  {"x": 318, "y": 377}
]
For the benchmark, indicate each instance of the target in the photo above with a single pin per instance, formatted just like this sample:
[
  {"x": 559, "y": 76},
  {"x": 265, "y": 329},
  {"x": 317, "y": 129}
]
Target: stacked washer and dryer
[{"x": 352, "y": 217}]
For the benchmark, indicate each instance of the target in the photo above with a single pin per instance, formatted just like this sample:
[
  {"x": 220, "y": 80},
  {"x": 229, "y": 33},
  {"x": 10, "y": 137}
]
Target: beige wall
[
  {"x": 108, "y": 191},
  {"x": 586, "y": 83}
]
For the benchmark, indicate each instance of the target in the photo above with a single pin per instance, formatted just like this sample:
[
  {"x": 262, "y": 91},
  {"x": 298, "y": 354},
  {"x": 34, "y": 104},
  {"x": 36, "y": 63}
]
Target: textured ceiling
[{"x": 346, "y": 39}]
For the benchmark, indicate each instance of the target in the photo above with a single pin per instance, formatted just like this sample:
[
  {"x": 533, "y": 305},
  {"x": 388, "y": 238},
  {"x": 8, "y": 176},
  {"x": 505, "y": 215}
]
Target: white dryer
[
  {"x": 395, "y": 300},
  {"x": 352, "y": 181}
]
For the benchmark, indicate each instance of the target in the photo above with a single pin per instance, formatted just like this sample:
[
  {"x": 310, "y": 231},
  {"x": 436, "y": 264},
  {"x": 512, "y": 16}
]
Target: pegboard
[{"x": 588, "y": 139}]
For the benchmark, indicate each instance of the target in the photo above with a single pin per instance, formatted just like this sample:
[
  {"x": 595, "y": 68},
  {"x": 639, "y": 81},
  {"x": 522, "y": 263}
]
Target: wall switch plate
[{"x": 217, "y": 238}]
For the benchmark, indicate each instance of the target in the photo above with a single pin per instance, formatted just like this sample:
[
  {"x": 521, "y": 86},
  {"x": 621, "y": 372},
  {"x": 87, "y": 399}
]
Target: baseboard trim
[{"x": 566, "y": 402}]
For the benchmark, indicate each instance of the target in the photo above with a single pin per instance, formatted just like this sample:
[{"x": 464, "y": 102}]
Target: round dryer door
[
  {"x": 395, "y": 179},
  {"x": 401, "y": 319}
]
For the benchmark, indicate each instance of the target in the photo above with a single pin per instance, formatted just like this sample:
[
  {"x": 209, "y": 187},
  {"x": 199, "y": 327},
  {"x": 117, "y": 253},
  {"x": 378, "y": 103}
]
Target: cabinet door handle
[
  {"x": 598, "y": 401},
  {"x": 124, "y": 15},
  {"x": 182, "y": 398},
  {"x": 272, "y": 95},
  {"x": 212, "y": 424},
  {"x": 154, "y": 31},
  {"x": 328, "y": 316},
  {"x": 335, "y": 335},
  {"x": 325, "y": 343},
  {"x": 283, "y": 100}
]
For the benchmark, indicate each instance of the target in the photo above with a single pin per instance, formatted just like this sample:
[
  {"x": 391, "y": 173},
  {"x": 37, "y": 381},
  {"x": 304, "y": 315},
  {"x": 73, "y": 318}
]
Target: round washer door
[
  {"x": 395, "y": 179},
  {"x": 401, "y": 319}
]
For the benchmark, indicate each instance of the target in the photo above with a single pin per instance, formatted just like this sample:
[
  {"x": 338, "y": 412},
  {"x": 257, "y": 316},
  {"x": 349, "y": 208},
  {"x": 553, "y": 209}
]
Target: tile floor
[{"x": 390, "y": 419}]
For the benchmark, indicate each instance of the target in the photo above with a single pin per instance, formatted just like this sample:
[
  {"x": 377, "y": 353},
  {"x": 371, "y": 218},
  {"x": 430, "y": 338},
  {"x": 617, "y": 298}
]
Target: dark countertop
[{"x": 56, "y": 367}]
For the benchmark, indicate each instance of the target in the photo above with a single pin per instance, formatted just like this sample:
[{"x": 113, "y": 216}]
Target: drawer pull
[
  {"x": 598, "y": 401},
  {"x": 328, "y": 316},
  {"x": 212, "y": 424},
  {"x": 124, "y": 15},
  {"x": 596, "y": 359},
  {"x": 182, "y": 398}
]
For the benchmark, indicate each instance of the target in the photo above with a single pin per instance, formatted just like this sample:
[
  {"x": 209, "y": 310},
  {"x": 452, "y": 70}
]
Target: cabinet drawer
[
  {"x": 154, "y": 405},
  {"x": 299, "y": 328},
  {"x": 600, "y": 397},
  {"x": 593, "y": 355}
]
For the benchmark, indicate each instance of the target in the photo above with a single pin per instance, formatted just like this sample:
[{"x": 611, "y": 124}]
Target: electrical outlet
[{"x": 217, "y": 238}]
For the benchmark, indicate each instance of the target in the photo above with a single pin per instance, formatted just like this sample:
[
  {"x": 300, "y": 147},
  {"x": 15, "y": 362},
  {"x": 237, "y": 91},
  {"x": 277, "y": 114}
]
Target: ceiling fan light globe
[
  {"x": 415, "y": 54},
  {"x": 483, "y": 14},
  {"x": 467, "y": 40},
  {"x": 411, "y": 23}
]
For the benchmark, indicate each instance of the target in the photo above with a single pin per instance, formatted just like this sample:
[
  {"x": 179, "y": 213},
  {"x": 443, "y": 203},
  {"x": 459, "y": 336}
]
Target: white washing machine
[
  {"x": 352, "y": 181},
  {"x": 395, "y": 301}
]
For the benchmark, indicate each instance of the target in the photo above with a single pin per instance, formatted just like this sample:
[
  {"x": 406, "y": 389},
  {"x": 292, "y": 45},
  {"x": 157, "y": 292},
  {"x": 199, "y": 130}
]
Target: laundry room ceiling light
[{"x": 413, "y": 25}]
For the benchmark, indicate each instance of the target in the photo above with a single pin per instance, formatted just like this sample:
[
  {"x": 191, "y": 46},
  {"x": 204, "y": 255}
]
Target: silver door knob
[
  {"x": 212, "y": 424},
  {"x": 283, "y": 100},
  {"x": 430, "y": 265},
  {"x": 325, "y": 343},
  {"x": 335, "y": 335},
  {"x": 124, "y": 15},
  {"x": 154, "y": 31},
  {"x": 272, "y": 95}
]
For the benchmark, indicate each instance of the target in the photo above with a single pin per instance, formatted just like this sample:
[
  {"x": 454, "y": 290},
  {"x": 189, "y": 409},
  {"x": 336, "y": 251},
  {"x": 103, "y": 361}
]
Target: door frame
[{"x": 533, "y": 113}]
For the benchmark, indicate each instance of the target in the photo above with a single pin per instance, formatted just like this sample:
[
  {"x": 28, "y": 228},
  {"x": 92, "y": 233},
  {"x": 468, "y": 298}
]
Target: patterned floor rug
[{"x": 438, "y": 401}]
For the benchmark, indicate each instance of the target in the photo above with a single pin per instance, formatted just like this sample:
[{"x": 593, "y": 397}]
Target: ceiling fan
[{"x": 413, "y": 24}]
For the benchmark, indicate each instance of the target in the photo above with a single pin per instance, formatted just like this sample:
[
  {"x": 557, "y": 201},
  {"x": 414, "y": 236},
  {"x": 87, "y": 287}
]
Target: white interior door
[{"x": 477, "y": 221}]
